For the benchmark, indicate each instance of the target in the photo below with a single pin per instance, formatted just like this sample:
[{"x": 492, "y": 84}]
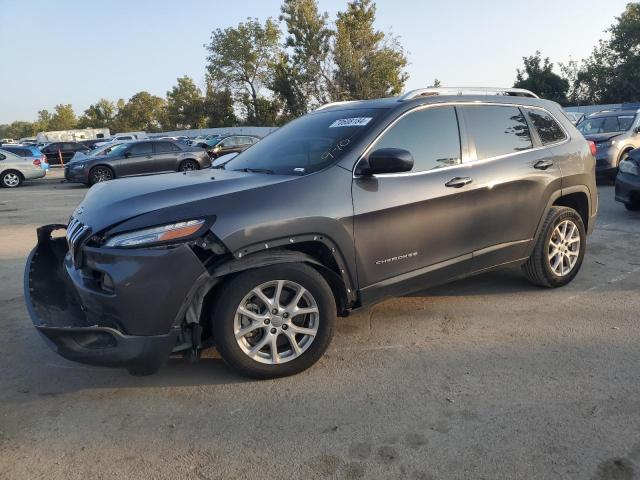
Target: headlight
[
  {"x": 629, "y": 167},
  {"x": 162, "y": 234}
]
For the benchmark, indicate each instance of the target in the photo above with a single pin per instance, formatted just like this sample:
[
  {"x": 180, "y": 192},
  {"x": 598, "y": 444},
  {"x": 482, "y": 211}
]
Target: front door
[
  {"x": 413, "y": 225},
  {"x": 139, "y": 159}
]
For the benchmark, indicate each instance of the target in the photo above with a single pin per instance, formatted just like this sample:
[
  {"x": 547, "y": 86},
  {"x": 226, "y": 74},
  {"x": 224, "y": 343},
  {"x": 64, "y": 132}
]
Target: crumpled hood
[
  {"x": 602, "y": 137},
  {"x": 112, "y": 202}
]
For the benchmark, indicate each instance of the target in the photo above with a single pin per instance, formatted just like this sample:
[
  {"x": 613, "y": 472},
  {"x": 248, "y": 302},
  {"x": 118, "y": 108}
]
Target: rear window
[
  {"x": 497, "y": 130},
  {"x": 548, "y": 129},
  {"x": 606, "y": 124}
]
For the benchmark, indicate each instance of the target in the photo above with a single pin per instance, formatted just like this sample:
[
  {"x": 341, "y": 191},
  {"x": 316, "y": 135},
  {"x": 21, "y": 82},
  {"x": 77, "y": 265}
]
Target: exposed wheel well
[
  {"x": 189, "y": 160},
  {"x": 579, "y": 202}
]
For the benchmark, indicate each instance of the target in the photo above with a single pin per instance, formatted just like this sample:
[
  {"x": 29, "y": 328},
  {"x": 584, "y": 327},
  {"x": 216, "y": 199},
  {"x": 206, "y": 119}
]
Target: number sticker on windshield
[{"x": 351, "y": 122}]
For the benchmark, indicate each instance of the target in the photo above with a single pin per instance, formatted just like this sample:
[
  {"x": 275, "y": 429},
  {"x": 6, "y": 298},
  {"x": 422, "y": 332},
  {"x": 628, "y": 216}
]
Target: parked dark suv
[
  {"x": 335, "y": 211},
  {"x": 136, "y": 158},
  {"x": 59, "y": 153}
]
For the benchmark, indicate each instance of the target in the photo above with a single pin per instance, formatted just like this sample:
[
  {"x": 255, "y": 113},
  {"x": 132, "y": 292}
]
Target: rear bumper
[
  {"x": 627, "y": 188},
  {"x": 32, "y": 174},
  {"x": 133, "y": 326}
]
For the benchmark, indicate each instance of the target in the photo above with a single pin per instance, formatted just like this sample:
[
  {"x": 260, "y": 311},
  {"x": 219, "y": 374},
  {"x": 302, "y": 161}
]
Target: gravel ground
[{"x": 487, "y": 378}]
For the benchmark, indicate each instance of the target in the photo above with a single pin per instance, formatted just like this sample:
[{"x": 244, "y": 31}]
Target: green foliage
[
  {"x": 240, "y": 59},
  {"x": 611, "y": 74},
  {"x": 98, "y": 115},
  {"x": 64, "y": 118},
  {"x": 538, "y": 76},
  {"x": 143, "y": 111},
  {"x": 185, "y": 106},
  {"x": 302, "y": 80},
  {"x": 368, "y": 63},
  {"x": 218, "y": 106}
]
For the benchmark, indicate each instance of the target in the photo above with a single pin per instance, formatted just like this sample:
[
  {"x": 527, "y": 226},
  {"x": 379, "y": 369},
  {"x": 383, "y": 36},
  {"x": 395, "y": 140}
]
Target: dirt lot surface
[{"x": 487, "y": 378}]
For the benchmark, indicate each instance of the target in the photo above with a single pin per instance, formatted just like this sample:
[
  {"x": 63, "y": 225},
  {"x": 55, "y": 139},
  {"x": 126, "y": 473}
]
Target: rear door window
[
  {"x": 165, "y": 147},
  {"x": 497, "y": 130},
  {"x": 431, "y": 135},
  {"x": 548, "y": 129}
]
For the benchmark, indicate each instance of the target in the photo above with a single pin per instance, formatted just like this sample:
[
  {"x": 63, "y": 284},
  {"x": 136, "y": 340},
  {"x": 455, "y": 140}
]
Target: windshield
[
  {"x": 307, "y": 144},
  {"x": 608, "y": 124},
  {"x": 103, "y": 150}
]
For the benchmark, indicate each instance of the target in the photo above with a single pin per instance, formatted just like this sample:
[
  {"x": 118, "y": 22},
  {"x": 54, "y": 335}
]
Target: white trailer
[{"x": 74, "y": 135}]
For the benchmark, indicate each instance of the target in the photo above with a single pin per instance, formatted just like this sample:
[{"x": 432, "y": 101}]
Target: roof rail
[
  {"x": 427, "y": 92},
  {"x": 333, "y": 104}
]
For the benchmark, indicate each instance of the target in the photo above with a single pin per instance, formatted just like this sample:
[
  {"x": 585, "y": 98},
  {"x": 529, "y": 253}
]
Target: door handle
[
  {"x": 458, "y": 182},
  {"x": 543, "y": 164}
]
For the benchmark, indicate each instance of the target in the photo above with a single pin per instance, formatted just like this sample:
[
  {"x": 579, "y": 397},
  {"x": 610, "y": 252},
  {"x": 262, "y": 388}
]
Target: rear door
[
  {"x": 517, "y": 175},
  {"x": 409, "y": 226},
  {"x": 165, "y": 157}
]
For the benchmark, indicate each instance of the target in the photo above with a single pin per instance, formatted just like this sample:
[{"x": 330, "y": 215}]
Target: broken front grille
[{"x": 77, "y": 233}]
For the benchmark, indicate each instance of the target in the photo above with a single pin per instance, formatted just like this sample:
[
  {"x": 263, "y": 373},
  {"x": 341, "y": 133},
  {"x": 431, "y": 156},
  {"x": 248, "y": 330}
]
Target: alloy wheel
[
  {"x": 276, "y": 322},
  {"x": 101, "y": 174},
  {"x": 188, "y": 166},
  {"x": 11, "y": 179},
  {"x": 564, "y": 248}
]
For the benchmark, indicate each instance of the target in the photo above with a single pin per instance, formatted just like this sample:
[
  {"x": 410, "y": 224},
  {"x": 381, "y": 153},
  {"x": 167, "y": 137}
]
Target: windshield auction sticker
[{"x": 351, "y": 122}]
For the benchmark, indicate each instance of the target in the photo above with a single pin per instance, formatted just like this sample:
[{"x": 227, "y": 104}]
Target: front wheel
[
  {"x": 559, "y": 250},
  {"x": 274, "y": 321},
  {"x": 100, "y": 174}
]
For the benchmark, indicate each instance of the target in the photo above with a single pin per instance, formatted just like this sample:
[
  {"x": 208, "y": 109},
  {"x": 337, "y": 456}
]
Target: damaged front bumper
[{"x": 120, "y": 308}]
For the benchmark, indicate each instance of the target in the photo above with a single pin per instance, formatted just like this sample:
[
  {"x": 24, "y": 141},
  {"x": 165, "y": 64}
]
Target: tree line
[{"x": 266, "y": 73}]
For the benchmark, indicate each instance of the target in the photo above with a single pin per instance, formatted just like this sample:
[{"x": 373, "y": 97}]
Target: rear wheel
[
  {"x": 189, "y": 165},
  {"x": 274, "y": 321},
  {"x": 559, "y": 250},
  {"x": 11, "y": 179},
  {"x": 100, "y": 174}
]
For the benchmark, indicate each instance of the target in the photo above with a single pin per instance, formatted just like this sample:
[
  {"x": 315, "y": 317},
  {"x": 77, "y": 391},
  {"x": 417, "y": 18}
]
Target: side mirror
[{"x": 386, "y": 160}]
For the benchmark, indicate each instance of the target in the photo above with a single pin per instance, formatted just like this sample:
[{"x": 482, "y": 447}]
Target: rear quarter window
[{"x": 546, "y": 126}]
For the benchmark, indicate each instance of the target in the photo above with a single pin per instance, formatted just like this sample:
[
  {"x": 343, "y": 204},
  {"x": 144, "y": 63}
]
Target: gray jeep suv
[{"x": 337, "y": 210}]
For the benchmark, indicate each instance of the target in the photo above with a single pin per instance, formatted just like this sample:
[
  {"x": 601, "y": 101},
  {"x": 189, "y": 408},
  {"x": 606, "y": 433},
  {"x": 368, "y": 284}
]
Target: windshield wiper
[{"x": 254, "y": 170}]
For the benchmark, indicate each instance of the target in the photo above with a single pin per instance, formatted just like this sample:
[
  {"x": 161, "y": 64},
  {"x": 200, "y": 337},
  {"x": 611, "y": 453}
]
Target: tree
[
  {"x": 98, "y": 115},
  {"x": 611, "y": 74},
  {"x": 302, "y": 80},
  {"x": 240, "y": 58},
  {"x": 143, "y": 111},
  {"x": 218, "y": 107},
  {"x": 538, "y": 76},
  {"x": 436, "y": 83},
  {"x": 185, "y": 105},
  {"x": 64, "y": 118},
  {"x": 369, "y": 64},
  {"x": 43, "y": 122}
]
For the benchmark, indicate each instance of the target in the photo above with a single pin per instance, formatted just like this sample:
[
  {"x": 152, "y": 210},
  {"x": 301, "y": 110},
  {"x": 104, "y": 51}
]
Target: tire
[
  {"x": 11, "y": 179},
  {"x": 100, "y": 174},
  {"x": 238, "y": 292},
  {"x": 538, "y": 268},
  {"x": 632, "y": 205},
  {"x": 188, "y": 165}
]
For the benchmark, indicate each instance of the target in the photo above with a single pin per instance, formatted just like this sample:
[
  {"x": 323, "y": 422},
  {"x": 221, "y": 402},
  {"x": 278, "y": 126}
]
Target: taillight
[
  {"x": 37, "y": 162},
  {"x": 593, "y": 148}
]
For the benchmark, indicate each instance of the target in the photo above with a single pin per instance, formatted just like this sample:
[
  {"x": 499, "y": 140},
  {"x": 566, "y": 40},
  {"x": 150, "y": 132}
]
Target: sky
[{"x": 77, "y": 52}]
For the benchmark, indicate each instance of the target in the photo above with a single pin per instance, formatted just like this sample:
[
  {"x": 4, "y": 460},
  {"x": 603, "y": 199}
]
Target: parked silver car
[
  {"x": 615, "y": 133},
  {"x": 15, "y": 169}
]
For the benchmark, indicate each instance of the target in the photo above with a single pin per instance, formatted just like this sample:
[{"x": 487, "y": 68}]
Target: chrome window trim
[{"x": 463, "y": 163}]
